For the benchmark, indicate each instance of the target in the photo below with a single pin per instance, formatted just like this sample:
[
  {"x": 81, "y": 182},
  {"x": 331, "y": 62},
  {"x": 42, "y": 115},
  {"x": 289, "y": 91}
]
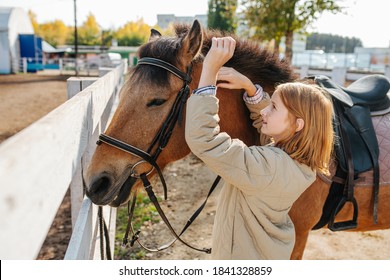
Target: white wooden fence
[
  {"x": 338, "y": 74},
  {"x": 40, "y": 163}
]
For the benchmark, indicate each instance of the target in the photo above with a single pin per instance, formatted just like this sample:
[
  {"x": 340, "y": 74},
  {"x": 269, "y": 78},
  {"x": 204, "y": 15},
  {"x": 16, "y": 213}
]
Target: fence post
[
  {"x": 304, "y": 71},
  {"x": 74, "y": 86},
  {"x": 104, "y": 70},
  {"x": 339, "y": 75},
  {"x": 84, "y": 243},
  {"x": 24, "y": 65},
  {"x": 61, "y": 65},
  {"x": 387, "y": 71}
]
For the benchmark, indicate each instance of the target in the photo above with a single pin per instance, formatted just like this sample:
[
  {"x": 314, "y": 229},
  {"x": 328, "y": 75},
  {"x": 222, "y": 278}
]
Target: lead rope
[
  {"x": 103, "y": 228},
  {"x": 153, "y": 198},
  {"x": 130, "y": 212}
]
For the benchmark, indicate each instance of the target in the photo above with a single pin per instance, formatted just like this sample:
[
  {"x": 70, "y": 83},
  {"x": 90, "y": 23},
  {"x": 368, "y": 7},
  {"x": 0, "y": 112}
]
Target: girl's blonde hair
[{"x": 313, "y": 144}]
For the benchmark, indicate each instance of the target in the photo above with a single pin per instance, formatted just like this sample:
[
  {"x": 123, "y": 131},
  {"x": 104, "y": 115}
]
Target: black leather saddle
[
  {"x": 356, "y": 102},
  {"x": 356, "y": 146},
  {"x": 371, "y": 91}
]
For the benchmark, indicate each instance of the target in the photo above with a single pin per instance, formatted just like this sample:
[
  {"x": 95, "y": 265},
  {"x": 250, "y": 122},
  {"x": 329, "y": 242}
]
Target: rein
[{"x": 160, "y": 140}]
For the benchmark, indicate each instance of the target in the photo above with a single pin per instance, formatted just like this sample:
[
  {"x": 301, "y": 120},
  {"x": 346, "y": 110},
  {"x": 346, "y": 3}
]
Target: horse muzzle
[{"x": 102, "y": 190}]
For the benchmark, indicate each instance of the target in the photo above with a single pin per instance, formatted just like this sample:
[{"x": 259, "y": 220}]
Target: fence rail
[
  {"x": 352, "y": 61},
  {"x": 338, "y": 74},
  {"x": 67, "y": 65},
  {"x": 38, "y": 165}
]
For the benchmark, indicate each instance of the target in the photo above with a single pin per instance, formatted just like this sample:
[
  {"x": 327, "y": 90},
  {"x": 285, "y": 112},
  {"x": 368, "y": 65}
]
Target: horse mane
[{"x": 258, "y": 64}]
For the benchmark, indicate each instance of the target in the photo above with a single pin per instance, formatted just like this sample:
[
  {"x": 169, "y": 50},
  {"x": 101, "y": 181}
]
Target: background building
[
  {"x": 13, "y": 22},
  {"x": 163, "y": 20}
]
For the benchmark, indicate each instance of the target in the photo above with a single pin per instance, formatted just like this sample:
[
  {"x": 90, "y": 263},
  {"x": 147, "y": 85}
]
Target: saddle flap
[{"x": 362, "y": 139}]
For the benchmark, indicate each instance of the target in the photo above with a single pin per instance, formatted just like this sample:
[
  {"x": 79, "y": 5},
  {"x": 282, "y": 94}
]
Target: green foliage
[
  {"x": 144, "y": 212},
  {"x": 89, "y": 32},
  {"x": 273, "y": 19},
  {"x": 332, "y": 43},
  {"x": 267, "y": 19},
  {"x": 221, "y": 15},
  {"x": 34, "y": 22},
  {"x": 107, "y": 36},
  {"x": 133, "y": 33},
  {"x": 54, "y": 32}
]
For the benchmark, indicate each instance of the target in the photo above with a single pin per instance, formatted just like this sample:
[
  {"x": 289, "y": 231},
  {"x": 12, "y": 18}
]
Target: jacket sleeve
[
  {"x": 248, "y": 168},
  {"x": 255, "y": 115}
]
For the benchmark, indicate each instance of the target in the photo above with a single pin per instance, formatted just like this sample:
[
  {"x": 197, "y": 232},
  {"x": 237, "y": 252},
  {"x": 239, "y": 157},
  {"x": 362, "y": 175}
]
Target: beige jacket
[{"x": 261, "y": 184}]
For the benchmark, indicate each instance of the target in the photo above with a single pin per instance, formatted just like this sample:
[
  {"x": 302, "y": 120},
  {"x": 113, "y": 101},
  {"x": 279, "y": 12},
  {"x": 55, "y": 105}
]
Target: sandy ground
[{"x": 26, "y": 98}]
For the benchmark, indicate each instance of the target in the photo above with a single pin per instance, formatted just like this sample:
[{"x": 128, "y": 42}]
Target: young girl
[{"x": 261, "y": 182}]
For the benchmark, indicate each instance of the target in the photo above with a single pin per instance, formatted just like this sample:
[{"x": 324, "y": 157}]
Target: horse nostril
[{"x": 99, "y": 187}]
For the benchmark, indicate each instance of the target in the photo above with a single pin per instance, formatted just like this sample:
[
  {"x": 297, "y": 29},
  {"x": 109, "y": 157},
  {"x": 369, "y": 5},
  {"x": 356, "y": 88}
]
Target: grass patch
[{"x": 144, "y": 212}]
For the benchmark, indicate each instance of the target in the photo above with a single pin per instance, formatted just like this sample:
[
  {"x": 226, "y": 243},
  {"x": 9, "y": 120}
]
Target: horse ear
[
  {"x": 192, "y": 42},
  {"x": 154, "y": 35}
]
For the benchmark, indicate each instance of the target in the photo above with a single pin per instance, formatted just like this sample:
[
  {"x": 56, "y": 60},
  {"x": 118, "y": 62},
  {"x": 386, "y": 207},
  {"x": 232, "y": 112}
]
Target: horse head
[
  {"x": 150, "y": 93},
  {"x": 146, "y": 100}
]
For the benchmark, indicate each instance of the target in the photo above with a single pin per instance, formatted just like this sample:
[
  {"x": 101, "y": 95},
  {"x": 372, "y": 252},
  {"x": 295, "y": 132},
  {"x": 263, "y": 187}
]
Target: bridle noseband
[{"x": 158, "y": 144}]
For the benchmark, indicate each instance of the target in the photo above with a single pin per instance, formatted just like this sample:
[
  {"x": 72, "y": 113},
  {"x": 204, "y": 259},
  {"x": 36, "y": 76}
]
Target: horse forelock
[
  {"x": 164, "y": 48},
  {"x": 181, "y": 29}
]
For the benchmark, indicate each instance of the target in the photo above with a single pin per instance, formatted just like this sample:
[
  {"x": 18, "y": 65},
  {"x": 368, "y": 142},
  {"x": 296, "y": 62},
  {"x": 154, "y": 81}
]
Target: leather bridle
[{"x": 158, "y": 144}]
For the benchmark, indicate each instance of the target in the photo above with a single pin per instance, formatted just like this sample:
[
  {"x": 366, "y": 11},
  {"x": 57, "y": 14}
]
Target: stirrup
[{"x": 344, "y": 225}]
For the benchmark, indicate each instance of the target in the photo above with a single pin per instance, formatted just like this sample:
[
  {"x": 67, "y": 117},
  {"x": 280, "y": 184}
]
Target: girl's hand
[
  {"x": 221, "y": 51},
  {"x": 232, "y": 79}
]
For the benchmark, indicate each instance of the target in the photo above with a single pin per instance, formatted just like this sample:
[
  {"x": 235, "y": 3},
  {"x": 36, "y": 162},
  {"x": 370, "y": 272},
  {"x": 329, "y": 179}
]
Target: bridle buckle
[{"x": 134, "y": 174}]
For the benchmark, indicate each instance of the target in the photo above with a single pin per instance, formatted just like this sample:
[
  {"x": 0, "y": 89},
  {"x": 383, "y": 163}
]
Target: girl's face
[{"x": 278, "y": 122}]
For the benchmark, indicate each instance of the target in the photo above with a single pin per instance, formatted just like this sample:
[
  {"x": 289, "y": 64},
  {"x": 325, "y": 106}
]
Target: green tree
[
  {"x": 54, "y": 32},
  {"x": 133, "y": 33},
  {"x": 273, "y": 19},
  {"x": 222, "y": 14},
  {"x": 332, "y": 43},
  {"x": 89, "y": 33},
  {"x": 34, "y": 22},
  {"x": 106, "y": 37}
]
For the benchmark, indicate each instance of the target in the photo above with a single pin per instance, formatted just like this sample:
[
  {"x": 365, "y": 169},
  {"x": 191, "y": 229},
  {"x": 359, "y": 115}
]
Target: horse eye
[{"x": 156, "y": 102}]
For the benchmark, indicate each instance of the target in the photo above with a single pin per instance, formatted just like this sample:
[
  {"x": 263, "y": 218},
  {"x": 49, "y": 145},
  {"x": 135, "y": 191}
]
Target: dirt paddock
[{"x": 24, "y": 98}]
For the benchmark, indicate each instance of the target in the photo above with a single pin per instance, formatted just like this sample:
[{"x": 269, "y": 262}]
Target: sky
[{"x": 368, "y": 20}]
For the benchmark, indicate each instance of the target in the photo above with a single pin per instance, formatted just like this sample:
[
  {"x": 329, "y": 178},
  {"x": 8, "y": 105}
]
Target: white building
[
  {"x": 13, "y": 21},
  {"x": 163, "y": 20}
]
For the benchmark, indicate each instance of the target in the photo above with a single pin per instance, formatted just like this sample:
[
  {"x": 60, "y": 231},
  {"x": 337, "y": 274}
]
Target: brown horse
[{"x": 147, "y": 98}]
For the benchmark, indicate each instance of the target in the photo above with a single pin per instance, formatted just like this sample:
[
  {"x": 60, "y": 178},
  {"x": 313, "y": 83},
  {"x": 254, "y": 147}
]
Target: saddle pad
[{"x": 382, "y": 129}]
